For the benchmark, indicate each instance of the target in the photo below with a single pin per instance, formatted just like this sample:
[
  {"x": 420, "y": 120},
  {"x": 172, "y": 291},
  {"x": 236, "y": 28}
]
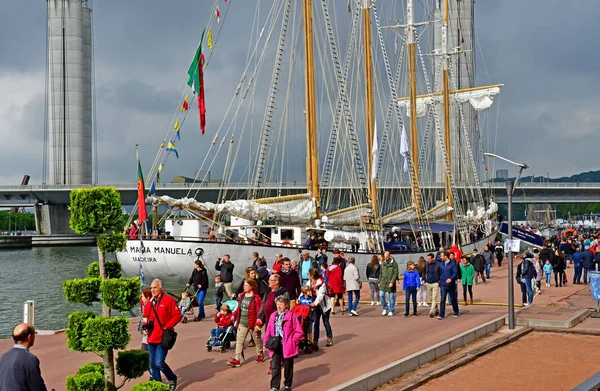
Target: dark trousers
[
  {"x": 577, "y": 275},
  {"x": 446, "y": 291},
  {"x": 585, "y": 275},
  {"x": 319, "y": 314},
  {"x": 470, "y": 287},
  {"x": 558, "y": 278},
  {"x": 288, "y": 367},
  {"x": 499, "y": 257},
  {"x": 411, "y": 291},
  {"x": 480, "y": 274}
]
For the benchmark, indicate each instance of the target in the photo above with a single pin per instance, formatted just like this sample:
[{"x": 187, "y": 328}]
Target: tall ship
[{"x": 352, "y": 126}]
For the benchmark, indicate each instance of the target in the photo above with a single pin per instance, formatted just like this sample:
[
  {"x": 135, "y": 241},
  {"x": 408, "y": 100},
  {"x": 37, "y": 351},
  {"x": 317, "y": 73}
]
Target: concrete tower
[
  {"x": 69, "y": 92},
  {"x": 460, "y": 35}
]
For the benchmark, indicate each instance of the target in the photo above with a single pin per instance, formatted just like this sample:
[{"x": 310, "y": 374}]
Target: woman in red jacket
[
  {"x": 335, "y": 278},
  {"x": 247, "y": 321}
]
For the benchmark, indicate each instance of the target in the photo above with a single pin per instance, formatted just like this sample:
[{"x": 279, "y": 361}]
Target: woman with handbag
[{"x": 282, "y": 337}]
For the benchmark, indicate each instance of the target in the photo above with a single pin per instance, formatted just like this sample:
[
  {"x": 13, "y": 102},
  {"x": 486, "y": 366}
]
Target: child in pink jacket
[{"x": 283, "y": 328}]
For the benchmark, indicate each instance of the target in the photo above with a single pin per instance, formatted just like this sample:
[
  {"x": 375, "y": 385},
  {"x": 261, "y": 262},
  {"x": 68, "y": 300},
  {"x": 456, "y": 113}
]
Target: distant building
[{"x": 501, "y": 174}]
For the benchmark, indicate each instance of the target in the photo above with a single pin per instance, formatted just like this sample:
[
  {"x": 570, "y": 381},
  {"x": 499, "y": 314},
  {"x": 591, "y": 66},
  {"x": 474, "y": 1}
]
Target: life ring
[{"x": 287, "y": 243}]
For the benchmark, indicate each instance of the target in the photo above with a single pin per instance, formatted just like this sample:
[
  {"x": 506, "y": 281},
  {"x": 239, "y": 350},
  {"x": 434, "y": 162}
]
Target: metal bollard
[{"x": 29, "y": 312}]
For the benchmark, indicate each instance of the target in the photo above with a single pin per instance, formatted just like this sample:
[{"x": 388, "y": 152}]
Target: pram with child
[
  {"x": 222, "y": 335},
  {"x": 306, "y": 318},
  {"x": 186, "y": 305}
]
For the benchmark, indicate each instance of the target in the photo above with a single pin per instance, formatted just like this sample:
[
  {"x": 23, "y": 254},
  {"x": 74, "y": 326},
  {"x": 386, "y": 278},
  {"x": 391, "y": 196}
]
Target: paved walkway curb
[{"x": 409, "y": 363}]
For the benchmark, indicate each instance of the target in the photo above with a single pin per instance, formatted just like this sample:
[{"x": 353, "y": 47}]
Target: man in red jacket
[{"x": 161, "y": 314}]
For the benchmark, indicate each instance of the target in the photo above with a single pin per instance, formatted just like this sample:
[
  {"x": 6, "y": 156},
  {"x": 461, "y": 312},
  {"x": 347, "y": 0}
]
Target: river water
[{"x": 37, "y": 274}]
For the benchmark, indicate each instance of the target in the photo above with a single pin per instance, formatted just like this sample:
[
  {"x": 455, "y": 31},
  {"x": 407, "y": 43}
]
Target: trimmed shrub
[
  {"x": 150, "y": 386},
  {"x": 101, "y": 334},
  {"x": 133, "y": 363},
  {"x": 112, "y": 242},
  {"x": 121, "y": 293},
  {"x": 89, "y": 377},
  {"x": 113, "y": 269},
  {"x": 95, "y": 210},
  {"x": 75, "y": 330},
  {"x": 82, "y": 290}
]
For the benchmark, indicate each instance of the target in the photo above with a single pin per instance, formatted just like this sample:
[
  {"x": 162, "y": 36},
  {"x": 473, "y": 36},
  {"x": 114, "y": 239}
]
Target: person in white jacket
[{"x": 353, "y": 285}]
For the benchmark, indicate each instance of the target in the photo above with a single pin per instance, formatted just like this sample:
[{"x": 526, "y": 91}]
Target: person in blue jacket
[
  {"x": 411, "y": 284},
  {"x": 448, "y": 276},
  {"x": 578, "y": 263}
]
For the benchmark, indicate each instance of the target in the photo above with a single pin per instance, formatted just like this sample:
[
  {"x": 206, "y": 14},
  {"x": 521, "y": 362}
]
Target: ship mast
[
  {"x": 369, "y": 103},
  {"x": 414, "y": 141},
  {"x": 312, "y": 162},
  {"x": 446, "y": 95}
]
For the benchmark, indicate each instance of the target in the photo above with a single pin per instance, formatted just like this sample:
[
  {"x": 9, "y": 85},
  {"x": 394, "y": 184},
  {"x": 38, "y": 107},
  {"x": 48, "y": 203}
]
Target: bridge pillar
[{"x": 52, "y": 219}]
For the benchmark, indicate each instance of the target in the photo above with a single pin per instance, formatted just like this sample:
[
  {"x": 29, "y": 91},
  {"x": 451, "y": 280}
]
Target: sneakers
[
  {"x": 456, "y": 315},
  {"x": 390, "y": 313},
  {"x": 353, "y": 312},
  {"x": 384, "y": 313},
  {"x": 173, "y": 384},
  {"x": 525, "y": 304},
  {"x": 329, "y": 342},
  {"x": 440, "y": 318},
  {"x": 406, "y": 315},
  {"x": 372, "y": 303},
  {"x": 260, "y": 358},
  {"x": 234, "y": 363},
  {"x": 378, "y": 303}
]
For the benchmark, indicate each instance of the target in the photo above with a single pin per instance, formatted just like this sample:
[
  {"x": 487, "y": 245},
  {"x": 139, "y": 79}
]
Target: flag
[
  {"x": 209, "y": 39},
  {"x": 142, "y": 216},
  {"x": 375, "y": 159},
  {"x": 176, "y": 128},
  {"x": 404, "y": 148},
  {"x": 153, "y": 188},
  {"x": 186, "y": 105},
  {"x": 218, "y": 15},
  {"x": 171, "y": 148},
  {"x": 160, "y": 167},
  {"x": 196, "y": 81},
  {"x": 142, "y": 275}
]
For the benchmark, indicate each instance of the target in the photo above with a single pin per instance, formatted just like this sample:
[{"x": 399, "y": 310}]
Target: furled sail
[
  {"x": 481, "y": 214},
  {"x": 348, "y": 216},
  {"x": 438, "y": 211},
  {"x": 400, "y": 216},
  {"x": 479, "y": 99},
  {"x": 298, "y": 209}
]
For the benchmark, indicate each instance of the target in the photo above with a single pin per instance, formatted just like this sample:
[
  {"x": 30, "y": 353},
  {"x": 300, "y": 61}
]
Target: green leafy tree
[{"x": 99, "y": 211}]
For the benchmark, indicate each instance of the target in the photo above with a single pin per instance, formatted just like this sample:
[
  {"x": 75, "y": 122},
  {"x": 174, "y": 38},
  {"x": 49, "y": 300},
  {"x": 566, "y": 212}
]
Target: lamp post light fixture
[{"x": 510, "y": 189}]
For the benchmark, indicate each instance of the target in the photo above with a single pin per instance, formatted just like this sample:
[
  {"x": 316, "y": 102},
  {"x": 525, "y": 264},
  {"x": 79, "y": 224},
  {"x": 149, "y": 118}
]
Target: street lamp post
[
  {"x": 510, "y": 186},
  {"x": 510, "y": 189}
]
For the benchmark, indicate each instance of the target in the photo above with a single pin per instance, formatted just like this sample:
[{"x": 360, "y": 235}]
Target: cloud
[{"x": 544, "y": 56}]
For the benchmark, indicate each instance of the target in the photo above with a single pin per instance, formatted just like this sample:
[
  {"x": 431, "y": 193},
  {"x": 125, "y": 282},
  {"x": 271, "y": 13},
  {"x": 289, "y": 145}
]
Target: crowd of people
[{"x": 282, "y": 308}]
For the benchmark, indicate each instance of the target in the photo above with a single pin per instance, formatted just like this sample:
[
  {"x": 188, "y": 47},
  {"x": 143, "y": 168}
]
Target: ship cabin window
[{"x": 287, "y": 234}]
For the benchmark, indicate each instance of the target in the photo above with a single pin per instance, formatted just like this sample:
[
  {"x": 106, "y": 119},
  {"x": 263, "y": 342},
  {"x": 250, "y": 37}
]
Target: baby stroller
[
  {"x": 188, "y": 307},
  {"x": 306, "y": 318},
  {"x": 224, "y": 339}
]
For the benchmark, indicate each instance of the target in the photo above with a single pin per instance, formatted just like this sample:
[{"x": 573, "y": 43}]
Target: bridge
[
  {"x": 50, "y": 201},
  {"x": 529, "y": 193}
]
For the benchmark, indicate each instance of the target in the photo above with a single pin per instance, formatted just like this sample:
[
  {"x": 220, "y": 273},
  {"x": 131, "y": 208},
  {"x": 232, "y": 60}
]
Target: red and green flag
[
  {"x": 142, "y": 215},
  {"x": 196, "y": 81}
]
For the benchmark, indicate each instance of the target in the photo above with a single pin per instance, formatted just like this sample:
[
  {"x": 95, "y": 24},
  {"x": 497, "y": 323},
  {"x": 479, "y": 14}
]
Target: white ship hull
[{"x": 172, "y": 261}]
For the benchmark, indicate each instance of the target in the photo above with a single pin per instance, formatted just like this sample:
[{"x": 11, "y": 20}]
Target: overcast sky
[{"x": 543, "y": 51}]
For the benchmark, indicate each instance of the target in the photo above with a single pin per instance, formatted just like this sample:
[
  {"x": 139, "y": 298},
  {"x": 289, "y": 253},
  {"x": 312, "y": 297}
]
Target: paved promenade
[{"x": 361, "y": 344}]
